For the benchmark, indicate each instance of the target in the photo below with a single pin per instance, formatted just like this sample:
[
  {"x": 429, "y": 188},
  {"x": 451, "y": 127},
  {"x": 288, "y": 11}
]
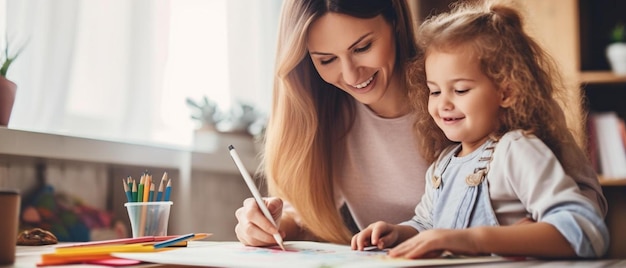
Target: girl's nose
[{"x": 445, "y": 102}]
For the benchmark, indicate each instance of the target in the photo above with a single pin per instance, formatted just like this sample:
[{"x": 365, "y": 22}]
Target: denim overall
[{"x": 461, "y": 200}]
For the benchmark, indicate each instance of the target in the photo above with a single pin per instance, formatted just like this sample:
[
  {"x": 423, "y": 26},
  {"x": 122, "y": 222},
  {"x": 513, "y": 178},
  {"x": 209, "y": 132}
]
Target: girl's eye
[
  {"x": 461, "y": 91},
  {"x": 435, "y": 93},
  {"x": 324, "y": 62},
  {"x": 363, "y": 48}
]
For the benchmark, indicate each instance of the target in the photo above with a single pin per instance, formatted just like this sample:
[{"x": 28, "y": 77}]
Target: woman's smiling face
[{"x": 358, "y": 56}]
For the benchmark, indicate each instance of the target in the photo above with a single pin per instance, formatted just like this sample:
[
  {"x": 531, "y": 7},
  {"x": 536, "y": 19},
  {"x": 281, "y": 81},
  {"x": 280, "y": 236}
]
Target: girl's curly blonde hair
[{"x": 511, "y": 59}]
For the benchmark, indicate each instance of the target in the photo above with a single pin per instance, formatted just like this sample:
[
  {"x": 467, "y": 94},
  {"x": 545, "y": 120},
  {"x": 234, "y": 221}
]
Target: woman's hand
[
  {"x": 379, "y": 234},
  {"x": 253, "y": 228}
]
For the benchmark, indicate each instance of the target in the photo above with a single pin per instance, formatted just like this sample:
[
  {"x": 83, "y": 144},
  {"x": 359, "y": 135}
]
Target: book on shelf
[
  {"x": 621, "y": 125},
  {"x": 592, "y": 144},
  {"x": 607, "y": 140}
]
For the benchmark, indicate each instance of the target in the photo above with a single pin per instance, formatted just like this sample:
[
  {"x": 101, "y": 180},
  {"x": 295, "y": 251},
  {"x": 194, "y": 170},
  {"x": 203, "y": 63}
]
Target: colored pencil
[
  {"x": 161, "y": 187},
  {"x": 151, "y": 193},
  {"x": 140, "y": 189},
  {"x": 134, "y": 191},
  {"x": 120, "y": 241},
  {"x": 179, "y": 239},
  {"x": 168, "y": 190},
  {"x": 129, "y": 196},
  {"x": 146, "y": 188}
]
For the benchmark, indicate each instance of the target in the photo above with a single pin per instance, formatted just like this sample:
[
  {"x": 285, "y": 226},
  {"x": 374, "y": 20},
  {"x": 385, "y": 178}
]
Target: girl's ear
[{"x": 506, "y": 96}]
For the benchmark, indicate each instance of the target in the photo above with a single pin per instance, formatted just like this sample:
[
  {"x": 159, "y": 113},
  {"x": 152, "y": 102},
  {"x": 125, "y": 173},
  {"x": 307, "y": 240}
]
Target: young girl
[{"x": 501, "y": 148}]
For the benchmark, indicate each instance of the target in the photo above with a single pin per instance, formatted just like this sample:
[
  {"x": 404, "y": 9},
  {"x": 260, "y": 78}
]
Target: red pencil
[{"x": 143, "y": 239}]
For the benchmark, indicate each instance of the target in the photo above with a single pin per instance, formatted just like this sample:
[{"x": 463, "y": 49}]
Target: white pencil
[{"x": 255, "y": 193}]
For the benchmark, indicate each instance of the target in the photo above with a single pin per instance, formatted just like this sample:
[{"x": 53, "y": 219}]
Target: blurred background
[{"x": 122, "y": 70}]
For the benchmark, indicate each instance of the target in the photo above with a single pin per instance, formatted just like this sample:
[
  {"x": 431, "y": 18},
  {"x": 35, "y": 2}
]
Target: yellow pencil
[
  {"x": 146, "y": 188},
  {"x": 144, "y": 198},
  {"x": 103, "y": 249}
]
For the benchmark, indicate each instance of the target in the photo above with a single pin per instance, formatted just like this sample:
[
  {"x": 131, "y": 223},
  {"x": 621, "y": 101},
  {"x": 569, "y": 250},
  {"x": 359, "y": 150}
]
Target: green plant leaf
[
  {"x": 5, "y": 67},
  {"x": 8, "y": 60}
]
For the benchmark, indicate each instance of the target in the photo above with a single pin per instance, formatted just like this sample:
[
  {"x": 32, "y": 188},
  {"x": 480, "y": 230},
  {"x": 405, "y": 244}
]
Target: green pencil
[{"x": 140, "y": 190}]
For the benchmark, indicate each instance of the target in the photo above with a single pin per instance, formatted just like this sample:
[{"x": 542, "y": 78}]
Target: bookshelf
[
  {"x": 603, "y": 90},
  {"x": 600, "y": 78},
  {"x": 612, "y": 182},
  {"x": 575, "y": 32}
]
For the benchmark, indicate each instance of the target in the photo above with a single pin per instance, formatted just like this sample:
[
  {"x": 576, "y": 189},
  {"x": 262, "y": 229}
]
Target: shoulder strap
[
  {"x": 438, "y": 169},
  {"x": 481, "y": 171}
]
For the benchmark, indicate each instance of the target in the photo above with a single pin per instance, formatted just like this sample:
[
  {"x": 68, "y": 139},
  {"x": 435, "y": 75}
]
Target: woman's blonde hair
[
  {"x": 513, "y": 60},
  {"x": 309, "y": 118}
]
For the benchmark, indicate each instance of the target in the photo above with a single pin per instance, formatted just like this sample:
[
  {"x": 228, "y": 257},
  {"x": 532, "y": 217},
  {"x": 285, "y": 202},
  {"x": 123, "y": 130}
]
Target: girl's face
[
  {"x": 357, "y": 56},
  {"x": 463, "y": 101}
]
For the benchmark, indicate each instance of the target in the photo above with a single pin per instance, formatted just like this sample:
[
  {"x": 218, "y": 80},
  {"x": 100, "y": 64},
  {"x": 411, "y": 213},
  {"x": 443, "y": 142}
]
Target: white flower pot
[{"x": 616, "y": 54}]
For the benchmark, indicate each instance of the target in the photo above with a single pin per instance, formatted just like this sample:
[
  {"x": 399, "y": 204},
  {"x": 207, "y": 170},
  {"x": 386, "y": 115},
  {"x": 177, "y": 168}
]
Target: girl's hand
[
  {"x": 253, "y": 228},
  {"x": 432, "y": 243},
  {"x": 379, "y": 234}
]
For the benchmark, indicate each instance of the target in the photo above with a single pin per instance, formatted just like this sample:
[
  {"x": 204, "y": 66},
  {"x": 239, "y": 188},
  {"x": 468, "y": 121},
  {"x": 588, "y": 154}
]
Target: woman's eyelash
[
  {"x": 364, "y": 48},
  {"x": 324, "y": 62},
  {"x": 357, "y": 50}
]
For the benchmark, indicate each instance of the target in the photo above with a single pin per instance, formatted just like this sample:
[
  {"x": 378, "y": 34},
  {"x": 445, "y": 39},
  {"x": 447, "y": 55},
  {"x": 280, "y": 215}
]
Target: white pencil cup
[{"x": 149, "y": 218}]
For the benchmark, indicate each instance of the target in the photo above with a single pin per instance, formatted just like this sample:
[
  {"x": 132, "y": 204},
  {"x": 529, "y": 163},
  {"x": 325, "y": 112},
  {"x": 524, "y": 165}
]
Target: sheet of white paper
[{"x": 297, "y": 254}]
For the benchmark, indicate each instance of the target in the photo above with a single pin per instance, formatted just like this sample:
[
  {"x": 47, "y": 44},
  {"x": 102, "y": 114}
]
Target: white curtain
[{"x": 121, "y": 70}]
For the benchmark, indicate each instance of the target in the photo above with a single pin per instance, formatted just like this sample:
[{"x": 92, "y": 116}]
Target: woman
[{"x": 340, "y": 129}]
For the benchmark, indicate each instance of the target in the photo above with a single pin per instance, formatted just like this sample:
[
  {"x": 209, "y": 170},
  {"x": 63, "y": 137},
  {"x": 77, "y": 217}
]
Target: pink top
[{"x": 383, "y": 176}]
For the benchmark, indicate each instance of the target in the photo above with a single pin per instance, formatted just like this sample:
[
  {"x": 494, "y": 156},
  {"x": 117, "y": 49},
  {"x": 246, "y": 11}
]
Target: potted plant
[
  {"x": 241, "y": 126},
  {"x": 7, "y": 87},
  {"x": 616, "y": 50},
  {"x": 205, "y": 112}
]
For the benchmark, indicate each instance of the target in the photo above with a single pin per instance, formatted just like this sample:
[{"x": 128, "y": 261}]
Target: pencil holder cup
[{"x": 149, "y": 218}]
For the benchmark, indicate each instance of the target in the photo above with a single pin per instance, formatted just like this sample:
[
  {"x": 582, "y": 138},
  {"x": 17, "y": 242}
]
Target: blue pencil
[
  {"x": 129, "y": 181},
  {"x": 168, "y": 190},
  {"x": 129, "y": 196},
  {"x": 161, "y": 187},
  {"x": 159, "y": 193},
  {"x": 173, "y": 241},
  {"x": 134, "y": 191},
  {"x": 151, "y": 193},
  {"x": 181, "y": 238}
]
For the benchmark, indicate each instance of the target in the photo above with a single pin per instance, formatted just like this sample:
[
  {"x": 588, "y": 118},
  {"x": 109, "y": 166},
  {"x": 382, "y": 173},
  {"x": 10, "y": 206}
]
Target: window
[{"x": 121, "y": 70}]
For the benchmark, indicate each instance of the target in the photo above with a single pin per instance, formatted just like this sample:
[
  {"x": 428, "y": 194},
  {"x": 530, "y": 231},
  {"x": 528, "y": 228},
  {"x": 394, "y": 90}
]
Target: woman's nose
[{"x": 350, "y": 72}]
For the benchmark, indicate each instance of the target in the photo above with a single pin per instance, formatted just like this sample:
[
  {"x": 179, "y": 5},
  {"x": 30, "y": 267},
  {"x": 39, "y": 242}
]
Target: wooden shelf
[
  {"x": 61, "y": 147},
  {"x": 601, "y": 77},
  {"x": 612, "y": 182}
]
